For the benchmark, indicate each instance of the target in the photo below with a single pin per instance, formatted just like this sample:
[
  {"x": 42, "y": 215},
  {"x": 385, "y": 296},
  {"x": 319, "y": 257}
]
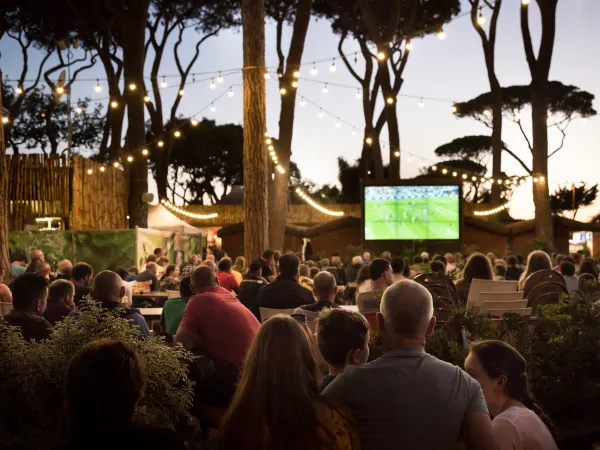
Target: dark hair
[
  {"x": 378, "y": 267},
  {"x": 288, "y": 265},
  {"x": 500, "y": 270},
  {"x": 267, "y": 254},
  {"x": 122, "y": 272},
  {"x": 277, "y": 255},
  {"x": 569, "y": 259},
  {"x": 151, "y": 258},
  {"x": 313, "y": 271},
  {"x": 588, "y": 265},
  {"x": 340, "y": 331},
  {"x": 441, "y": 258},
  {"x": 81, "y": 270},
  {"x": 28, "y": 289},
  {"x": 157, "y": 251},
  {"x": 92, "y": 401},
  {"x": 417, "y": 259},
  {"x": 18, "y": 256},
  {"x": 58, "y": 289},
  {"x": 477, "y": 266},
  {"x": 133, "y": 270},
  {"x": 386, "y": 255},
  {"x": 558, "y": 258},
  {"x": 497, "y": 359},
  {"x": 185, "y": 288},
  {"x": 255, "y": 266},
  {"x": 169, "y": 270},
  {"x": 511, "y": 260},
  {"x": 567, "y": 268},
  {"x": 225, "y": 264},
  {"x": 203, "y": 277},
  {"x": 438, "y": 267},
  {"x": 406, "y": 271},
  {"x": 364, "y": 274},
  {"x": 398, "y": 264}
]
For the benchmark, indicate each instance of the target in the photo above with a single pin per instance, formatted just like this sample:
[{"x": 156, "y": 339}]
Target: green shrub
[{"x": 31, "y": 384}]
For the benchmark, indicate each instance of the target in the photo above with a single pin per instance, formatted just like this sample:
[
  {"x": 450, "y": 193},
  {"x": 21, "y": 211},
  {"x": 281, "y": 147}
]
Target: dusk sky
[{"x": 452, "y": 69}]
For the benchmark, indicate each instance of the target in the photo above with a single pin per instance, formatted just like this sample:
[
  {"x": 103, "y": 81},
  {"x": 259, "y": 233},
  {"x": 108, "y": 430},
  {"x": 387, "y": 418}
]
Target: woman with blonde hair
[
  {"x": 239, "y": 269},
  {"x": 277, "y": 404},
  {"x": 536, "y": 261}
]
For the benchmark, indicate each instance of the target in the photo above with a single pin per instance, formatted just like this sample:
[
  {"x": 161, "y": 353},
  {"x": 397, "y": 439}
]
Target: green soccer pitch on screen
[{"x": 411, "y": 213}]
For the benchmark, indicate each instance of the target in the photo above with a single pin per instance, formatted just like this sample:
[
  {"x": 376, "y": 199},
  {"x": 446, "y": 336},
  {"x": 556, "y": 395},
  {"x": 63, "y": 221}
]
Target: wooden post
[
  {"x": 4, "y": 202},
  {"x": 256, "y": 166}
]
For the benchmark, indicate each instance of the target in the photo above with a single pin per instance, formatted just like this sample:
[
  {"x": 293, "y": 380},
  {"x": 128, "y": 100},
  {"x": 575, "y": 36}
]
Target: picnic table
[{"x": 149, "y": 299}]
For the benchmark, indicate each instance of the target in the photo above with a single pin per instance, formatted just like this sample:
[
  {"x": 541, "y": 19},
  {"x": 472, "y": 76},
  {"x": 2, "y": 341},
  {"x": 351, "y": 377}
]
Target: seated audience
[
  {"x": 340, "y": 273},
  {"x": 417, "y": 265},
  {"x": 519, "y": 423},
  {"x": 128, "y": 298},
  {"x": 398, "y": 266},
  {"x": 149, "y": 275},
  {"x": 363, "y": 280},
  {"x": 35, "y": 256},
  {"x": 285, "y": 292},
  {"x": 269, "y": 270},
  {"x": 343, "y": 339},
  {"x": 81, "y": 277},
  {"x": 492, "y": 257},
  {"x": 313, "y": 272},
  {"x": 133, "y": 273},
  {"x": 43, "y": 268},
  {"x": 210, "y": 263},
  {"x": 567, "y": 269},
  {"x": 158, "y": 252},
  {"x": 387, "y": 256},
  {"x": 380, "y": 273},
  {"x": 226, "y": 278},
  {"x": 64, "y": 270},
  {"x": 239, "y": 269},
  {"x": 304, "y": 277},
  {"x": 408, "y": 273},
  {"x": 170, "y": 279},
  {"x": 441, "y": 258},
  {"x": 425, "y": 257},
  {"x": 217, "y": 325},
  {"x": 162, "y": 263},
  {"x": 407, "y": 397},
  {"x": 108, "y": 289},
  {"x": 513, "y": 272},
  {"x": 353, "y": 268},
  {"x": 18, "y": 265},
  {"x": 60, "y": 301},
  {"x": 366, "y": 257},
  {"x": 477, "y": 267},
  {"x": 536, "y": 261},
  {"x": 192, "y": 264},
  {"x": 104, "y": 383},
  {"x": 438, "y": 267},
  {"x": 499, "y": 272},
  {"x": 283, "y": 398},
  {"x": 588, "y": 265},
  {"x": 249, "y": 288},
  {"x": 557, "y": 261},
  {"x": 173, "y": 308},
  {"x": 451, "y": 266},
  {"x": 29, "y": 293},
  {"x": 325, "y": 289},
  {"x": 324, "y": 264}
]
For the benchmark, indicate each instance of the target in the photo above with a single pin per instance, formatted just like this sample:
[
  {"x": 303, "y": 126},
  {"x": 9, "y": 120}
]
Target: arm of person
[
  {"x": 188, "y": 339},
  {"x": 187, "y": 333},
  {"x": 476, "y": 431},
  {"x": 139, "y": 320},
  {"x": 335, "y": 391}
]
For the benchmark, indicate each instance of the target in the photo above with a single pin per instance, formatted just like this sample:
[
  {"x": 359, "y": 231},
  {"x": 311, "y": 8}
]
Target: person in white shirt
[{"x": 519, "y": 423}]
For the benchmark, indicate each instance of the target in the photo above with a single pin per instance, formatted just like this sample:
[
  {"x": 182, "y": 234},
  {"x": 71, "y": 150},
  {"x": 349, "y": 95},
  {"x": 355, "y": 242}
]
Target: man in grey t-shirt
[{"x": 408, "y": 399}]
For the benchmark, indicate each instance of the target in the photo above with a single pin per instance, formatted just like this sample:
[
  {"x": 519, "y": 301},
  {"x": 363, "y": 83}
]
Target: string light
[
  {"x": 453, "y": 109},
  {"x": 316, "y": 206},
  {"x": 381, "y": 56},
  {"x": 397, "y": 154},
  {"x": 283, "y": 91},
  {"x": 535, "y": 180},
  {"x": 181, "y": 92},
  {"x": 302, "y": 101},
  {"x": 90, "y": 171},
  {"x": 524, "y": 2},
  {"x": 194, "y": 122},
  {"x": 314, "y": 71},
  {"x": 98, "y": 88},
  {"x": 332, "y": 68},
  {"x": 132, "y": 87},
  {"x": 487, "y": 112},
  {"x": 145, "y": 152},
  {"x": 495, "y": 210},
  {"x": 441, "y": 34},
  {"x": 163, "y": 83},
  {"x": 130, "y": 159},
  {"x": 353, "y": 131},
  {"x": 481, "y": 17},
  {"x": 114, "y": 104},
  {"x": 146, "y": 98},
  {"x": 325, "y": 89},
  {"x": 19, "y": 90},
  {"x": 177, "y": 134},
  {"x": 269, "y": 141},
  {"x": 320, "y": 115},
  {"x": 421, "y": 103},
  {"x": 160, "y": 143},
  {"x": 454, "y": 174},
  {"x": 102, "y": 168},
  {"x": 408, "y": 46},
  {"x": 187, "y": 214},
  {"x": 212, "y": 84},
  {"x": 464, "y": 176},
  {"x": 338, "y": 124},
  {"x": 116, "y": 164},
  {"x": 444, "y": 171},
  {"x": 194, "y": 78},
  {"x": 296, "y": 74},
  {"x": 220, "y": 78},
  {"x": 369, "y": 140},
  {"x": 267, "y": 75},
  {"x": 79, "y": 110},
  {"x": 212, "y": 107},
  {"x": 390, "y": 100},
  {"x": 60, "y": 90},
  {"x": 358, "y": 94},
  {"x": 294, "y": 84},
  {"x": 434, "y": 168},
  {"x": 230, "y": 92}
]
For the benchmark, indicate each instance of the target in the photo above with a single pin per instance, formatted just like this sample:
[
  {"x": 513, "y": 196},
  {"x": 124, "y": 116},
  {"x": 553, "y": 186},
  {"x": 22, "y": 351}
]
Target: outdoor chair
[
  {"x": 372, "y": 319},
  {"x": 488, "y": 286},
  {"x": 443, "y": 291},
  {"x": 548, "y": 287},
  {"x": 509, "y": 305},
  {"x": 267, "y": 313},
  {"x": 548, "y": 298},
  {"x": 500, "y": 312},
  {"x": 542, "y": 276}
]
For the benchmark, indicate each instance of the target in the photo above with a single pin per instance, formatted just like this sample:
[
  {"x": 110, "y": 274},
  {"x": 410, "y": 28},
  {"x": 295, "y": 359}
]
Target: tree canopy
[
  {"x": 573, "y": 197},
  {"x": 476, "y": 148}
]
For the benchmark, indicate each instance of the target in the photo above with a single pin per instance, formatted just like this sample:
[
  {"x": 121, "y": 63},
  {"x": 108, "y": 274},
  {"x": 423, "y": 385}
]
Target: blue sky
[{"x": 451, "y": 69}]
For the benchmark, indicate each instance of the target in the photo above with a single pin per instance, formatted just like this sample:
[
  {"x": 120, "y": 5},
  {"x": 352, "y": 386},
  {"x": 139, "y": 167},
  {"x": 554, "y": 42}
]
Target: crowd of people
[{"x": 303, "y": 377}]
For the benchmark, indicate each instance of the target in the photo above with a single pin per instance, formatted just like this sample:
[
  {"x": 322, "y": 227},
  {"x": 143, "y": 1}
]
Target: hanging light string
[
  {"x": 492, "y": 211},
  {"x": 185, "y": 213},
  {"x": 315, "y": 205},
  {"x": 271, "y": 149}
]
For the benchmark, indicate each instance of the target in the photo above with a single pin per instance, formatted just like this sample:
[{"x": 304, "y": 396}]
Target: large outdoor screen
[{"x": 411, "y": 213}]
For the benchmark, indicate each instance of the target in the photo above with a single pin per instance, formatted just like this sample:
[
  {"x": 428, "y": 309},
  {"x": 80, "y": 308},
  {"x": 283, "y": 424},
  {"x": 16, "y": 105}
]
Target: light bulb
[
  {"x": 116, "y": 164},
  {"x": 132, "y": 87},
  {"x": 181, "y": 92},
  {"x": 381, "y": 56},
  {"x": 320, "y": 113},
  {"x": 421, "y": 104},
  {"x": 90, "y": 171},
  {"x": 353, "y": 131},
  {"x": 130, "y": 158},
  {"x": 230, "y": 92},
  {"x": 145, "y": 152},
  {"x": 434, "y": 168},
  {"x": 473, "y": 178},
  {"x": 296, "y": 74},
  {"x": 332, "y": 68},
  {"x": 212, "y": 107},
  {"x": 302, "y": 102},
  {"x": 325, "y": 89},
  {"x": 369, "y": 140},
  {"x": 79, "y": 110},
  {"x": 408, "y": 46},
  {"x": 194, "y": 78},
  {"x": 453, "y": 109},
  {"x": 389, "y": 100},
  {"x": 525, "y": 2},
  {"x": 220, "y": 78},
  {"x": 283, "y": 91},
  {"x": 487, "y": 112},
  {"x": 194, "y": 122},
  {"x": 355, "y": 61},
  {"x": 98, "y": 88},
  {"x": 163, "y": 83},
  {"x": 409, "y": 158},
  {"x": 212, "y": 84},
  {"x": 146, "y": 98},
  {"x": 160, "y": 143},
  {"x": 422, "y": 164},
  {"x": 314, "y": 70},
  {"x": 338, "y": 123},
  {"x": 270, "y": 147},
  {"x": 177, "y": 134},
  {"x": 19, "y": 90},
  {"x": 535, "y": 180},
  {"x": 397, "y": 154},
  {"x": 442, "y": 34},
  {"x": 444, "y": 171},
  {"x": 542, "y": 178},
  {"x": 358, "y": 94},
  {"x": 483, "y": 180},
  {"x": 499, "y": 181},
  {"x": 464, "y": 177},
  {"x": 294, "y": 84},
  {"x": 267, "y": 75},
  {"x": 102, "y": 168},
  {"x": 454, "y": 174},
  {"x": 114, "y": 104},
  {"x": 480, "y": 18},
  {"x": 60, "y": 90},
  {"x": 268, "y": 141}
]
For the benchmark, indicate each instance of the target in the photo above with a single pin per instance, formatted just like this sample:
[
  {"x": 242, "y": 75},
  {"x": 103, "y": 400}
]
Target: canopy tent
[{"x": 160, "y": 218}]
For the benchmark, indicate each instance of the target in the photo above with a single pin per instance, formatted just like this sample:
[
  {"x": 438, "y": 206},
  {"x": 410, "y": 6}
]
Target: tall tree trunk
[
  {"x": 497, "y": 144},
  {"x": 394, "y": 137},
  {"x": 162, "y": 165},
  {"x": 133, "y": 29},
  {"x": 256, "y": 166},
  {"x": 4, "y": 202},
  {"x": 116, "y": 128}
]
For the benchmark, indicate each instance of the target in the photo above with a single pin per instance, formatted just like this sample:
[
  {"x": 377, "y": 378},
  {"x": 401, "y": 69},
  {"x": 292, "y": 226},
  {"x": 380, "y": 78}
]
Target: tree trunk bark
[
  {"x": 256, "y": 165},
  {"x": 133, "y": 29},
  {"x": 162, "y": 165},
  {"x": 4, "y": 202},
  {"x": 497, "y": 145},
  {"x": 116, "y": 131},
  {"x": 394, "y": 137}
]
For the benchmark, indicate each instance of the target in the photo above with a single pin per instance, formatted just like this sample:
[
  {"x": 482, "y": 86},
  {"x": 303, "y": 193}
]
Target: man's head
[
  {"x": 210, "y": 257},
  {"x": 194, "y": 259},
  {"x": 36, "y": 254},
  {"x": 108, "y": 287},
  {"x": 62, "y": 292},
  {"x": 65, "y": 267},
  {"x": 30, "y": 292},
  {"x": 158, "y": 252},
  {"x": 325, "y": 287},
  {"x": 324, "y": 263},
  {"x": 210, "y": 263},
  {"x": 163, "y": 261},
  {"x": 417, "y": 259},
  {"x": 380, "y": 271},
  {"x": 343, "y": 337},
  {"x": 303, "y": 270},
  {"x": 425, "y": 257},
  {"x": 133, "y": 270},
  {"x": 357, "y": 261},
  {"x": 18, "y": 258},
  {"x": 202, "y": 279},
  {"x": 185, "y": 287},
  {"x": 406, "y": 312},
  {"x": 313, "y": 272},
  {"x": 500, "y": 270},
  {"x": 82, "y": 274},
  {"x": 152, "y": 268},
  {"x": 511, "y": 261},
  {"x": 225, "y": 264},
  {"x": 438, "y": 267},
  {"x": 397, "y": 264},
  {"x": 567, "y": 268},
  {"x": 151, "y": 258},
  {"x": 336, "y": 261},
  {"x": 387, "y": 255},
  {"x": 288, "y": 265},
  {"x": 449, "y": 257},
  {"x": 42, "y": 268},
  {"x": 122, "y": 272},
  {"x": 366, "y": 256},
  {"x": 268, "y": 255},
  {"x": 255, "y": 269}
]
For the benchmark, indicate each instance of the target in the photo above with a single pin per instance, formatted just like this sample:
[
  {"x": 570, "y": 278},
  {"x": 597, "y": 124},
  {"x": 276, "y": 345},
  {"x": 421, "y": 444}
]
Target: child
[{"x": 343, "y": 339}]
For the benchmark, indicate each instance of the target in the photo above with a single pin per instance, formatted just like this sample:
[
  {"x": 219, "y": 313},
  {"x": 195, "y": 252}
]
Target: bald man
[
  {"x": 108, "y": 289},
  {"x": 324, "y": 288},
  {"x": 408, "y": 397}
]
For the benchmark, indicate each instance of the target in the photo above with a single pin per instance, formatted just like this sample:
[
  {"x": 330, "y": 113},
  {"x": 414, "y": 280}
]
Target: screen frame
[{"x": 412, "y": 182}]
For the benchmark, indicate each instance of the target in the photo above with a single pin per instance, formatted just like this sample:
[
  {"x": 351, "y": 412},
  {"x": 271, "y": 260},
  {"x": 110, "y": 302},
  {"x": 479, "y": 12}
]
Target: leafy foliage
[
  {"x": 571, "y": 198},
  {"x": 476, "y": 148},
  {"x": 31, "y": 387}
]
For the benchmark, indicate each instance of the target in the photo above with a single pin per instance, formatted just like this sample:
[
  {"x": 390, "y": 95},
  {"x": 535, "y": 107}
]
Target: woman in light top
[{"x": 518, "y": 422}]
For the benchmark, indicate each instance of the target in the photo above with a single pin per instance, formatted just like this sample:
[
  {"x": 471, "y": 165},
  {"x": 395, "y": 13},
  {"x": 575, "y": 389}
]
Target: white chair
[
  {"x": 501, "y": 312},
  {"x": 173, "y": 294},
  {"x": 266, "y": 313},
  {"x": 479, "y": 286},
  {"x": 508, "y": 305}
]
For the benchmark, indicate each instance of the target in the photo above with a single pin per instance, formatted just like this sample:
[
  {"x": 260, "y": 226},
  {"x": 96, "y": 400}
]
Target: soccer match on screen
[{"x": 412, "y": 213}]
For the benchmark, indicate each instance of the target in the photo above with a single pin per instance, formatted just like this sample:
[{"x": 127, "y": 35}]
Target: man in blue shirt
[{"x": 18, "y": 265}]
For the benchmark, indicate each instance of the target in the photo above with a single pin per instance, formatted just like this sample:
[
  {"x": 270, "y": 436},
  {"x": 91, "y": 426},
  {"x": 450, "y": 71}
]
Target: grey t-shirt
[{"x": 407, "y": 399}]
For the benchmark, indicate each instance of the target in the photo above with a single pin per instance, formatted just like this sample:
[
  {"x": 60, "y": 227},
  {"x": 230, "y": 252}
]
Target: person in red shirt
[
  {"x": 216, "y": 325},
  {"x": 226, "y": 279}
]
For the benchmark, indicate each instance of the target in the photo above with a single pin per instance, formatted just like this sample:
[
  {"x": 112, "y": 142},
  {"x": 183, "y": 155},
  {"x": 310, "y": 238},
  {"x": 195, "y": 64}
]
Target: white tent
[{"x": 160, "y": 218}]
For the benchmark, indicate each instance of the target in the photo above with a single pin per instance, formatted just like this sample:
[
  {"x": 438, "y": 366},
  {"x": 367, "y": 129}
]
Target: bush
[{"x": 31, "y": 385}]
